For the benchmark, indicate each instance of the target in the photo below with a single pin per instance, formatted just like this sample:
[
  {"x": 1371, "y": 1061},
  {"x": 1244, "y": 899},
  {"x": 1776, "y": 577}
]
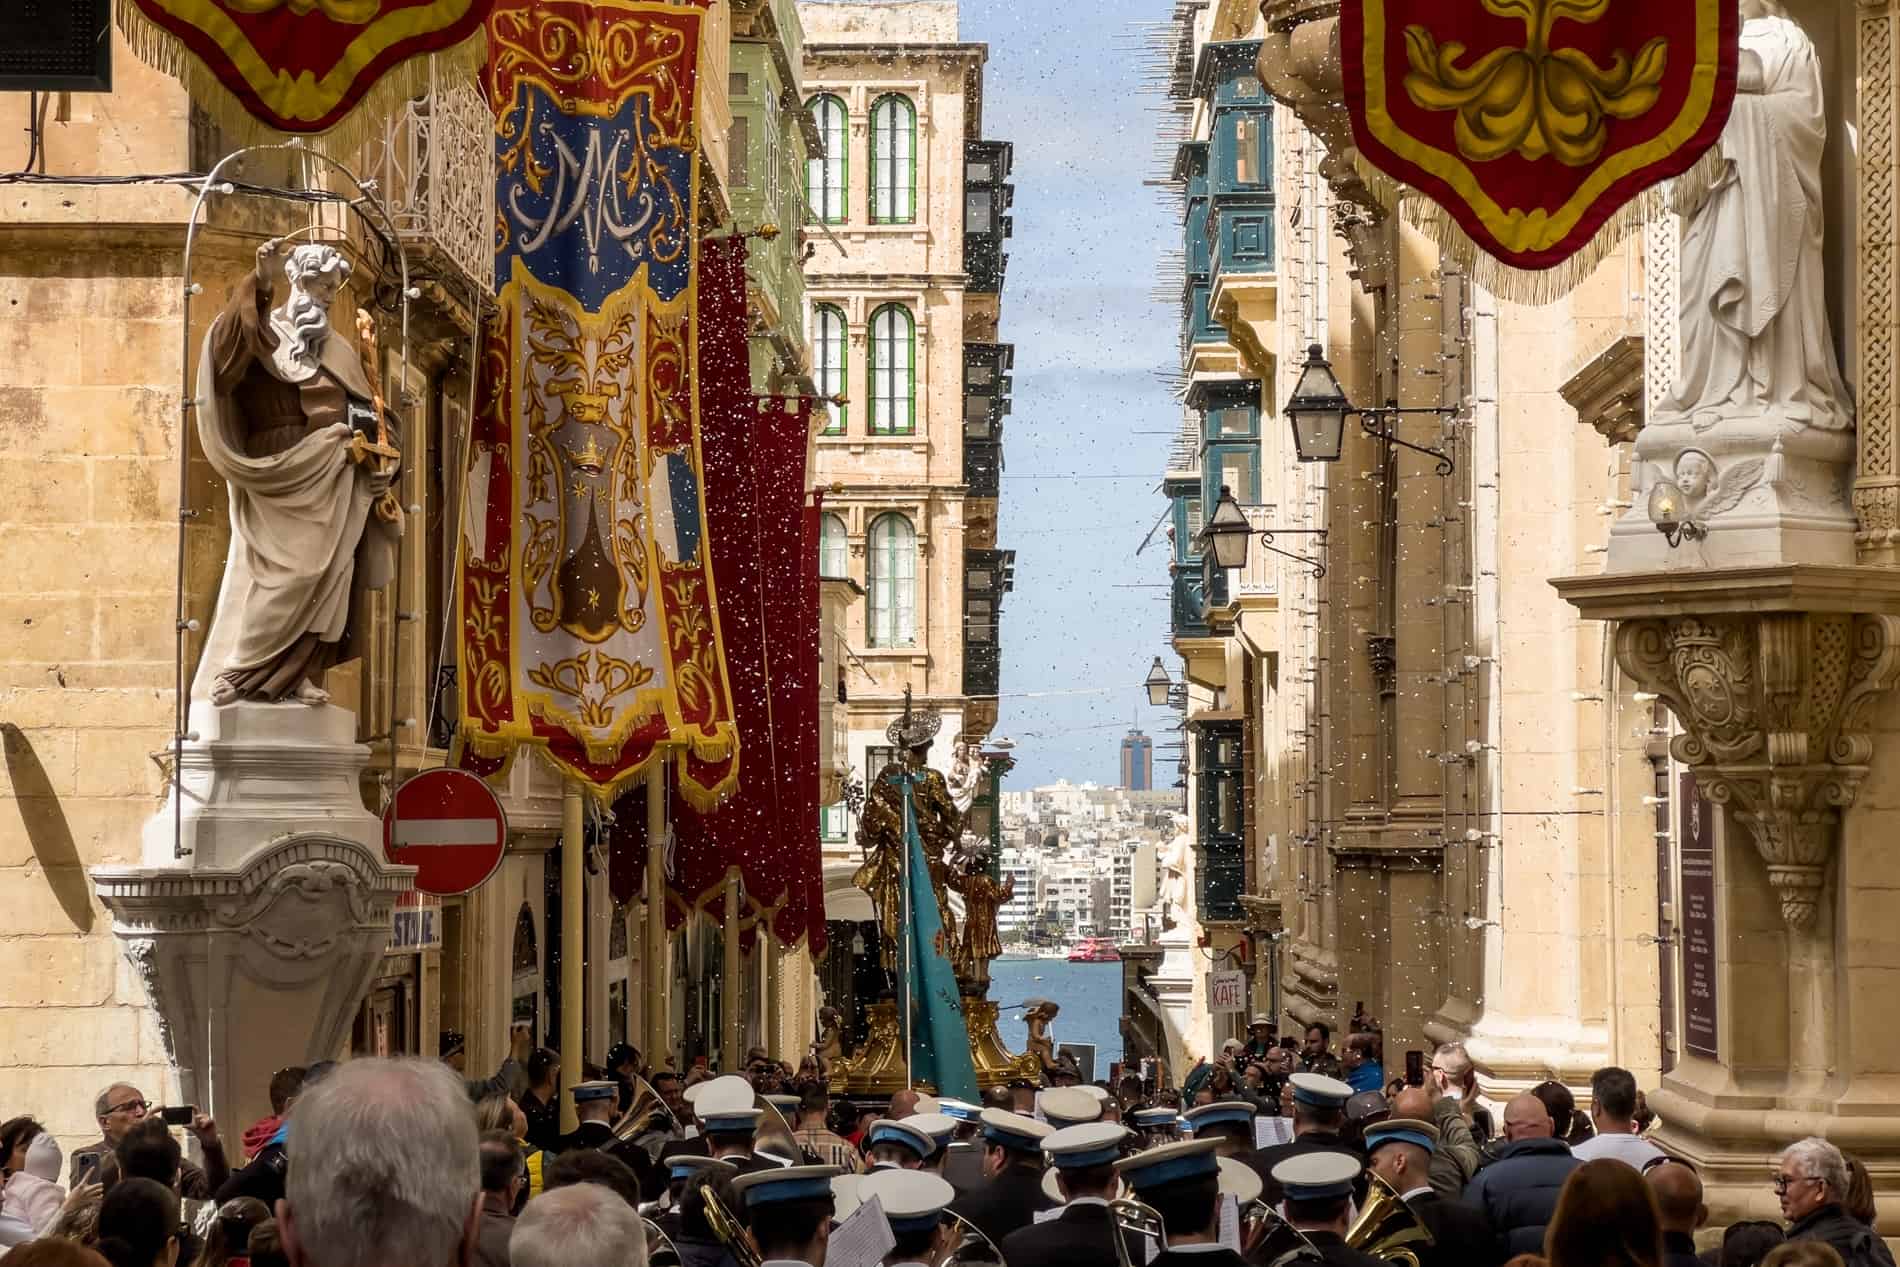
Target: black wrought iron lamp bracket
[
  {"x": 1267, "y": 535},
  {"x": 1375, "y": 423}
]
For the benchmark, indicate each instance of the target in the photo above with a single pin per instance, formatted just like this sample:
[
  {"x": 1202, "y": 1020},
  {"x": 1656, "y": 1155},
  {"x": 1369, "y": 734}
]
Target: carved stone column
[
  {"x": 1877, "y": 370},
  {"x": 1771, "y": 673}
]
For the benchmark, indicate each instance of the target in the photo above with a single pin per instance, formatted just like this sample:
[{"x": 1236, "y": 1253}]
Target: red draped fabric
[{"x": 764, "y": 543}]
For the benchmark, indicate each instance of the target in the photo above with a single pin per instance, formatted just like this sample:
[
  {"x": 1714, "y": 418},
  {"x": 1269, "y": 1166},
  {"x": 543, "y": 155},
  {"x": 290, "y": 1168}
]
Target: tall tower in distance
[{"x": 1138, "y": 752}]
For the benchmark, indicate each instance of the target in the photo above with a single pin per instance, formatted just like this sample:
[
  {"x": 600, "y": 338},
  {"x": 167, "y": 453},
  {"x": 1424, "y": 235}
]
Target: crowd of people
[{"x": 1272, "y": 1154}]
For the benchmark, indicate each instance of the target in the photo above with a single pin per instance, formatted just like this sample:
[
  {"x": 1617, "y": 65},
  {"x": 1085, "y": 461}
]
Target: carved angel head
[{"x": 1695, "y": 474}]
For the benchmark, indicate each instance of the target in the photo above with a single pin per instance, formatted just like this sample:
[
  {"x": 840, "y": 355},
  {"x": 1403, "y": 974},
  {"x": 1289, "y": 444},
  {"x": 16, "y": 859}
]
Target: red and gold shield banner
[
  {"x": 1534, "y": 123},
  {"x": 299, "y": 66}
]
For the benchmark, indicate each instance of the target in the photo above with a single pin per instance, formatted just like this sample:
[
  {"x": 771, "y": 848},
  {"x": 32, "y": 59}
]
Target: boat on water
[
  {"x": 1095, "y": 950},
  {"x": 1016, "y": 954}
]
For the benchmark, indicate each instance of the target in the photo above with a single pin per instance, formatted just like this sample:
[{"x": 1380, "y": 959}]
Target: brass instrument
[
  {"x": 1268, "y": 1238},
  {"x": 776, "y": 1131},
  {"x": 1387, "y": 1228},
  {"x": 1130, "y": 1215},
  {"x": 975, "y": 1247},
  {"x": 731, "y": 1233},
  {"x": 661, "y": 1251},
  {"x": 646, "y": 1102}
]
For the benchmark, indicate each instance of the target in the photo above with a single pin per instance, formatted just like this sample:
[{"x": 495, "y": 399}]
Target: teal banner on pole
[{"x": 939, "y": 1041}]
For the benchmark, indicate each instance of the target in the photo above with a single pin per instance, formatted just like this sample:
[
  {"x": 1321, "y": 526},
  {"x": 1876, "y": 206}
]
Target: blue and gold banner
[
  {"x": 939, "y": 1040},
  {"x": 589, "y": 622}
]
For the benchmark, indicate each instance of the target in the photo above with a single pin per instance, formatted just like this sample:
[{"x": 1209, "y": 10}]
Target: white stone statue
[
  {"x": 966, "y": 773},
  {"x": 1754, "y": 324},
  {"x": 1756, "y": 432},
  {"x": 296, "y": 428}
]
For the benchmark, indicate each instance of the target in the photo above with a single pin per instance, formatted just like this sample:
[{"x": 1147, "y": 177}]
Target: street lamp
[
  {"x": 1318, "y": 408},
  {"x": 1158, "y": 684},
  {"x": 1228, "y": 534},
  {"x": 1665, "y": 511}
]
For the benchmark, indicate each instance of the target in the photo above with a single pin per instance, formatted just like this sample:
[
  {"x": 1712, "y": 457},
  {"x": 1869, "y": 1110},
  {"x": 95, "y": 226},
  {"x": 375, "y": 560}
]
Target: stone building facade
[
  {"x": 906, "y": 202},
  {"x": 92, "y": 313},
  {"x": 1629, "y": 817}
]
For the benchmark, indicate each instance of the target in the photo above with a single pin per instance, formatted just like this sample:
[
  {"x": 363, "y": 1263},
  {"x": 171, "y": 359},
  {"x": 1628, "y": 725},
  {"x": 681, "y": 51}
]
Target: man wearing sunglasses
[{"x": 122, "y": 1106}]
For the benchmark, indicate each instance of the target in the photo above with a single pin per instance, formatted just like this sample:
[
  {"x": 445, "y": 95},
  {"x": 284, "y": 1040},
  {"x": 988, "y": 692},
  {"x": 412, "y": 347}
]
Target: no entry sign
[{"x": 447, "y": 824}]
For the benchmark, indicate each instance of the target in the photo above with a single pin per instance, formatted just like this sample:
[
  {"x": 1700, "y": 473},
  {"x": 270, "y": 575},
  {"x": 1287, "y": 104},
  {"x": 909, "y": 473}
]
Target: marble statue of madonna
[{"x": 1754, "y": 324}]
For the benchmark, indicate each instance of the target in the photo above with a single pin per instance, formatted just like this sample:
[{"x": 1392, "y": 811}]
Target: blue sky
[{"x": 1061, "y": 85}]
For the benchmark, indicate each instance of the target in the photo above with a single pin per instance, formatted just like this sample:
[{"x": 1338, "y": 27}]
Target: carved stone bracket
[
  {"x": 1771, "y": 673},
  {"x": 1607, "y": 393}
]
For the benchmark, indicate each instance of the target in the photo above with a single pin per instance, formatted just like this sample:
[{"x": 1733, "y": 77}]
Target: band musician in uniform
[
  {"x": 1083, "y": 1233},
  {"x": 1402, "y": 1151}
]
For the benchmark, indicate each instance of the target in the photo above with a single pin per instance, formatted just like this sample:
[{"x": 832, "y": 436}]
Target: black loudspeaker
[{"x": 56, "y": 46}]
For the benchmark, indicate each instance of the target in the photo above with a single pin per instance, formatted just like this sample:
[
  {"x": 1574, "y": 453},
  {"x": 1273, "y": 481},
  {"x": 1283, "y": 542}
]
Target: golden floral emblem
[{"x": 1535, "y": 100}]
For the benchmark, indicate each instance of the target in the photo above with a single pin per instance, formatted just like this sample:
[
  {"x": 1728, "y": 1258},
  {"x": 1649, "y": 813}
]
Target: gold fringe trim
[
  {"x": 408, "y": 79},
  {"x": 1536, "y": 287}
]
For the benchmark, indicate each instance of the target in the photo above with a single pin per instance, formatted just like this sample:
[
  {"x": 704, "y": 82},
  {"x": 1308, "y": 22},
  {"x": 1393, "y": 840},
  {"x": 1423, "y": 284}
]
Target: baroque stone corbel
[
  {"x": 1771, "y": 671},
  {"x": 1773, "y": 707}
]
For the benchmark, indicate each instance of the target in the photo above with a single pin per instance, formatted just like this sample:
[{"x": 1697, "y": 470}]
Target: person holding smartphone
[{"x": 122, "y": 1106}]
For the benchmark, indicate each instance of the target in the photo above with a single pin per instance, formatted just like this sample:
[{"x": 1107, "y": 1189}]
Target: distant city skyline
[{"x": 1091, "y": 423}]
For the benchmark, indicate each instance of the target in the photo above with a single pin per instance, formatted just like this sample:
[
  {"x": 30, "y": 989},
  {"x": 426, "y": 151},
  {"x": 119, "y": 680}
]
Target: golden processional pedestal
[{"x": 957, "y": 863}]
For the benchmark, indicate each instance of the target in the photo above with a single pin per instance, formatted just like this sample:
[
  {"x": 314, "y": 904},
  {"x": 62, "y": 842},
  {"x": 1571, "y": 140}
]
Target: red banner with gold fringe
[
  {"x": 1534, "y": 125},
  {"x": 764, "y": 545},
  {"x": 301, "y": 66}
]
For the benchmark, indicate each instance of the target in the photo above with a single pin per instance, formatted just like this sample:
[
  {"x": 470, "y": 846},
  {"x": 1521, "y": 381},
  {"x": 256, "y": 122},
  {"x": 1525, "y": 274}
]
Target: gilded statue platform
[{"x": 880, "y": 1067}]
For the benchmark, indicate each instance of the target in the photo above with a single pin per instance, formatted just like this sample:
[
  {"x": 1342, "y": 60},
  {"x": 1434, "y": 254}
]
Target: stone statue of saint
[
  {"x": 1754, "y": 323},
  {"x": 881, "y": 829},
  {"x": 291, "y": 421}
]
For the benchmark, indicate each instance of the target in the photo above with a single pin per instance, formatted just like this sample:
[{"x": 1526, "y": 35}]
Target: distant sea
[{"x": 1088, "y": 993}]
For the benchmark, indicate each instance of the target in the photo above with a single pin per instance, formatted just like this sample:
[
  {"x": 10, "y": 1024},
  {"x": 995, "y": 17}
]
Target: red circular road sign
[{"x": 449, "y": 825}]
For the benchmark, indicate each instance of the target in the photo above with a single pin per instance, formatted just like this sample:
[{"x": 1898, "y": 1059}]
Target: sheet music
[
  {"x": 1053, "y": 1212},
  {"x": 1268, "y": 1131},
  {"x": 861, "y": 1240},
  {"x": 1230, "y": 1223}
]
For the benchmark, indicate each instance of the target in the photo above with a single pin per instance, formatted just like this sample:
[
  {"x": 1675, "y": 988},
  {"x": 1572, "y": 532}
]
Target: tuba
[
  {"x": 1134, "y": 1217},
  {"x": 731, "y": 1233},
  {"x": 646, "y": 1105},
  {"x": 1387, "y": 1228},
  {"x": 973, "y": 1247},
  {"x": 1268, "y": 1239}
]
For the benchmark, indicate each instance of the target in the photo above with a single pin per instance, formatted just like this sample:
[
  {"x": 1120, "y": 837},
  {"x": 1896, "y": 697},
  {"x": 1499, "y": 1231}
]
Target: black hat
[{"x": 622, "y": 1053}]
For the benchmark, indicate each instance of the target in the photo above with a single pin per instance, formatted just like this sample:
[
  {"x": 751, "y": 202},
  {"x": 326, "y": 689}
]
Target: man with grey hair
[
  {"x": 1811, "y": 1181},
  {"x": 583, "y": 1225},
  {"x": 386, "y": 1171}
]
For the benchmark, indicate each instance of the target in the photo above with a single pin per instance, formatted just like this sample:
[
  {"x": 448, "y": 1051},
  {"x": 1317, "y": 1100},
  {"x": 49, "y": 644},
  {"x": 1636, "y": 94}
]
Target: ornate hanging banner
[
  {"x": 302, "y": 66},
  {"x": 588, "y": 616},
  {"x": 1538, "y": 129},
  {"x": 763, "y": 536}
]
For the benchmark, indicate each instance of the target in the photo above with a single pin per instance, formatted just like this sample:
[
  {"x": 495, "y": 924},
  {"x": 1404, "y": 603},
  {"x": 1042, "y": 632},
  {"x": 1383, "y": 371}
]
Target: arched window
[
  {"x": 832, "y": 550},
  {"x": 893, "y": 161},
  {"x": 890, "y": 576},
  {"x": 828, "y": 353},
  {"x": 827, "y": 175},
  {"x": 893, "y": 382}
]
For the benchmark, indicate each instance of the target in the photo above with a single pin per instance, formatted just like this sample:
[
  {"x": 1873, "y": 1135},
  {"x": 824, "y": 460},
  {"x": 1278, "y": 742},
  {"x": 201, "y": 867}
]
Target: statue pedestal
[
  {"x": 880, "y": 1067},
  {"x": 257, "y": 946},
  {"x": 995, "y": 1065},
  {"x": 257, "y": 771},
  {"x": 1767, "y": 491}
]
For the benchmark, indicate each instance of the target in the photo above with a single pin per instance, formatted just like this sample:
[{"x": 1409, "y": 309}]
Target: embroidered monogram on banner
[{"x": 589, "y": 623}]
